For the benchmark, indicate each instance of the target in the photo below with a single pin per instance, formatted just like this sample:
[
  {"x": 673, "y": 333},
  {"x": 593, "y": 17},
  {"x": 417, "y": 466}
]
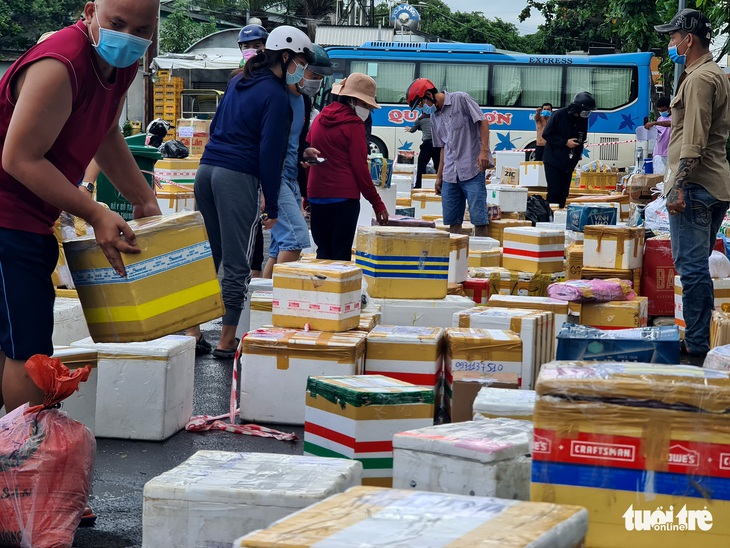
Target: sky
[{"x": 507, "y": 10}]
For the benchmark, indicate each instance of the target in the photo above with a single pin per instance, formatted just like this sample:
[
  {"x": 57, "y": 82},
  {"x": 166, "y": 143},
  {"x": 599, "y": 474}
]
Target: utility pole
[{"x": 678, "y": 69}]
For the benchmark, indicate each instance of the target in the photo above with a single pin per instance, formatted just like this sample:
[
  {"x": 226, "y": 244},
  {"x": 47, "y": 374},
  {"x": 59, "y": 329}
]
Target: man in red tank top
[{"x": 60, "y": 105}]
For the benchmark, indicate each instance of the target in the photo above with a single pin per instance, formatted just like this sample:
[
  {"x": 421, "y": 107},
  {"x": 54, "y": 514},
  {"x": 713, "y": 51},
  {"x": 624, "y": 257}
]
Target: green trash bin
[{"x": 146, "y": 157}]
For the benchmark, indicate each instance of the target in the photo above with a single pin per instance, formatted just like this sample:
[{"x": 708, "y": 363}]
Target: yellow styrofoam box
[
  {"x": 619, "y": 247},
  {"x": 632, "y": 465},
  {"x": 324, "y": 294},
  {"x": 403, "y": 262},
  {"x": 497, "y": 226},
  {"x": 170, "y": 285},
  {"x": 485, "y": 258},
  {"x": 614, "y": 314},
  {"x": 529, "y": 249},
  {"x": 360, "y": 516}
]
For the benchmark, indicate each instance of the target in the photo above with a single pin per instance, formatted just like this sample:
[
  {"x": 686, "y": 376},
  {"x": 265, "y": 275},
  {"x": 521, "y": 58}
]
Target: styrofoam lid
[
  {"x": 483, "y": 441},
  {"x": 257, "y": 479},
  {"x": 167, "y": 346},
  {"x": 64, "y": 308},
  {"x": 260, "y": 284},
  {"x": 507, "y": 188},
  {"x": 503, "y": 401},
  {"x": 483, "y": 243}
]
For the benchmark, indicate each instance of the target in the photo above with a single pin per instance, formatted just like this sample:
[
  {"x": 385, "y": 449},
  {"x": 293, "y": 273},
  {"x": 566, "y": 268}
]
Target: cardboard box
[
  {"x": 362, "y": 515},
  {"x": 422, "y": 312},
  {"x": 458, "y": 258},
  {"x": 404, "y": 263},
  {"x": 619, "y": 247},
  {"x": 177, "y": 170},
  {"x": 614, "y": 314},
  {"x": 488, "y": 258},
  {"x": 369, "y": 410},
  {"x": 509, "y": 175},
  {"x": 194, "y": 134},
  {"x": 722, "y": 299},
  {"x": 639, "y": 187},
  {"x": 532, "y": 174},
  {"x": 279, "y": 361},
  {"x": 574, "y": 262},
  {"x": 509, "y": 198},
  {"x": 501, "y": 403},
  {"x": 643, "y": 344},
  {"x": 580, "y": 215},
  {"x": 324, "y": 294},
  {"x": 529, "y": 249},
  {"x": 170, "y": 285},
  {"x": 657, "y": 277},
  {"x": 598, "y": 444},
  {"x": 496, "y": 227},
  {"x": 215, "y": 496}
]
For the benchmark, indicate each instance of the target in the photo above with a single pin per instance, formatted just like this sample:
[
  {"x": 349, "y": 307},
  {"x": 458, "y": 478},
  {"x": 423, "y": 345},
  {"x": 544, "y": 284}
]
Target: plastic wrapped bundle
[
  {"x": 718, "y": 358},
  {"x": 719, "y": 328},
  {"x": 592, "y": 291}
]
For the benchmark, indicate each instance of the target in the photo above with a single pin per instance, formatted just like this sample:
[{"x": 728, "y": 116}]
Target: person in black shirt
[{"x": 564, "y": 137}]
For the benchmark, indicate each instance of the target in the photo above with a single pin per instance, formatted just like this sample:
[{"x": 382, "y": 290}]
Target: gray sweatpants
[{"x": 229, "y": 203}]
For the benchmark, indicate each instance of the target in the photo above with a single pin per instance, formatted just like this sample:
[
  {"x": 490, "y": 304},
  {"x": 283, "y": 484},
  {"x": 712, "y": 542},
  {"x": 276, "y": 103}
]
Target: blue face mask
[
  {"x": 296, "y": 76},
  {"x": 428, "y": 109},
  {"x": 119, "y": 49},
  {"x": 546, "y": 113},
  {"x": 664, "y": 114},
  {"x": 675, "y": 56}
]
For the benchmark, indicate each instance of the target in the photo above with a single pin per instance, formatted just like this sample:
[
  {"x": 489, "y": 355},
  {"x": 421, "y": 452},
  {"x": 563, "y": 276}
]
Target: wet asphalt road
[{"x": 124, "y": 466}]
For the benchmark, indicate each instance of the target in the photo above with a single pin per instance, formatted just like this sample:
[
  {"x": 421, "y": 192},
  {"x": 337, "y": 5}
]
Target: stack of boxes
[{"x": 167, "y": 91}]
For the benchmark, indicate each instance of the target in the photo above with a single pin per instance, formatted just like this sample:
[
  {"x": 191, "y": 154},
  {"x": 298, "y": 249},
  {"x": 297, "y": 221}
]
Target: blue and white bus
[{"x": 508, "y": 86}]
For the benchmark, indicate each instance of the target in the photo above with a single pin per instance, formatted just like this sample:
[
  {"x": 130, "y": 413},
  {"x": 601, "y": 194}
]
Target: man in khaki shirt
[{"x": 697, "y": 181}]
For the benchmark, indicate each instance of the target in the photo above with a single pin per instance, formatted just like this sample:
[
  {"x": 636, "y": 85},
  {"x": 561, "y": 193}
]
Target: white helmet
[{"x": 289, "y": 38}]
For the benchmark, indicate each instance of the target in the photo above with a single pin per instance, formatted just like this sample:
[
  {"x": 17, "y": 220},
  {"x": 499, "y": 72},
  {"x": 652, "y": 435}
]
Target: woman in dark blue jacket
[{"x": 248, "y": 138}]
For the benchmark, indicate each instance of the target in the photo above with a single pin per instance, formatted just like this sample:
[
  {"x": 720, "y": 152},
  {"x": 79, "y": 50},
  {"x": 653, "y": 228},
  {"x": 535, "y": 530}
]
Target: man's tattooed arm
[{"x": 686, "y": 166}]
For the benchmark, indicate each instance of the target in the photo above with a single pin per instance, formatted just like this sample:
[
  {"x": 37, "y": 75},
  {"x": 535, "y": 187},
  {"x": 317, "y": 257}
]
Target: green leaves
[
  {"x": 179, "y": 31},
  {"x": 23, "y": 21}
]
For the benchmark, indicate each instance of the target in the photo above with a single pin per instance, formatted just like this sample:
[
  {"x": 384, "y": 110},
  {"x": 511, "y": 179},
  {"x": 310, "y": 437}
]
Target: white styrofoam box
[
  {"x": 458, "y": 258},
  {"x": 403, "y": 183},
  {"x": 574, "y": 238},
  {"x": 535, "y": 328},
  {"x": 256, "y": 284},
  {"x": 505, "y": 403},
  {"x": 81, "y": 405},
  {"x": 532, "y": 174},
  {"x": 483, "y": 243},
  {"x": 428, "y": 181},
  {"x": 550, "y": 226},
  {"x": 617, "y": 247},
  {"x": 506, "y": 158},
  {"x": 721, "y": 288},
  {"x": 426, "y": 203},
  {"x": 215, "y": 496},
  {"x": 718, "y": 358},
  {"x": 421, "y": 312},
  {"x": 509, "y": 198},
  {"x": 530, "y": 249},
  {"x": 485, "y": 458},
  {"x": 69, "y": 323},
  {"x": 176, "y": 202},
  {"x": 366, "y": 516},
  {"x": 276, "y": 363},
  {"x": 261, "y": 305},
  {"x": 144, "y": 389},
  {"x": 367, "y": 214},
  {"x": 560, "y": 216}
]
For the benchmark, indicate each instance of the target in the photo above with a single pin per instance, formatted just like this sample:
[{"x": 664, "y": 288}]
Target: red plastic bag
[{"x": 46, "y": 462}]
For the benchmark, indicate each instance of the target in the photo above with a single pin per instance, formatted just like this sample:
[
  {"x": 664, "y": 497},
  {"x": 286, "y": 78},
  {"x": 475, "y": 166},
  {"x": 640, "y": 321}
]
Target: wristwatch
[{"x": 88, "y": 186}]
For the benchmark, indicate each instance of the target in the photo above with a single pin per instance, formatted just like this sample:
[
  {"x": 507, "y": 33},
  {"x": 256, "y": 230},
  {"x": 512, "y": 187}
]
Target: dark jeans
[
  {"x": 558, "y": 181},
  {"x": 333, "y": 228},
  {"x": 428, "y": 152},
  {"x": 538, "y": 153}
]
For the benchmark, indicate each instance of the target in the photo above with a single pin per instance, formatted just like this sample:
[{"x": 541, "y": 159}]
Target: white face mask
[{"x": 362, "y": 112}]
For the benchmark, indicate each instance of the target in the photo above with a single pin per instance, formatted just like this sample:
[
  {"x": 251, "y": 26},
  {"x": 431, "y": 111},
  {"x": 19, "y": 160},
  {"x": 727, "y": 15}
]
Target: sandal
[
  {"x": 222, "y": 354},
  {"x": 88, "y": 518},
  {"x": 202, "y": 346}
]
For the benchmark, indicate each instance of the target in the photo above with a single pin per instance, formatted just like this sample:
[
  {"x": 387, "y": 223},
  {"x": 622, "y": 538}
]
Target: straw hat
[{"x": 357, "y": 85}]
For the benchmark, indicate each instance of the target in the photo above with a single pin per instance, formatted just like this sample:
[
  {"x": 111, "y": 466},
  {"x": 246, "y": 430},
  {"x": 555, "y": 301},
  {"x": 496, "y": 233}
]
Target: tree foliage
[
  {"x": 23, "y": 21},
  {"x": 179, "y": 31}
]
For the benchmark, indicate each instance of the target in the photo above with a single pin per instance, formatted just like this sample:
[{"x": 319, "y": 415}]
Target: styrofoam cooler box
[
  {"x": 508, "y": 197},
  {"x": 81, "y": 405},
  {"x": 530, "y": 249},
  {"x": 403, "y": 183},
  {"x": 144, "y": 389},
  {"x": 550, "y": 226},
  {"x": 389, "y": 196},
  {"x": 356, "y": 417},
  {"x": 216, "y": 496},
  {"x": 722, "y": 296},
  {"x": 324, "y": 295},
  {"x": 485, "y": 458},
  {"x": 261, "y": 304},
  {"x": 69, "y": 323},
  {"x": 363, "y": 516},
  {"x": 490, "y": 258},
  {"x": 616, "y": 247},
  {"x": 409, "y": 354},
  {"x": 422, "y": 312},
  {"x": 492, "y": 403},
  {"x": 505, "y": 158},
  {"x": 535, "y": 328},
  {"x": 256, "y": 284},
  {"x": 560, "y": 216},
  {"x": 426, "y": 204},
  {"x": 483, "y": 243},
  {"x": 276, "y": 362},
  {"x": 428, "y": 180},
  {"x": 532, "y": 174},
  {"x": 458, "y": 258}
]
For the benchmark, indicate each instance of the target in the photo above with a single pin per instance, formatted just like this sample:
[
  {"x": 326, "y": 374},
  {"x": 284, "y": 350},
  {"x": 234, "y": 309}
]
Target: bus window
[
  {"x": 392, "y": 78},
  {"x": 526, "y": 86},
  {"x": 611, "y": 87},
  {"x": 473, "y": 79}
]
